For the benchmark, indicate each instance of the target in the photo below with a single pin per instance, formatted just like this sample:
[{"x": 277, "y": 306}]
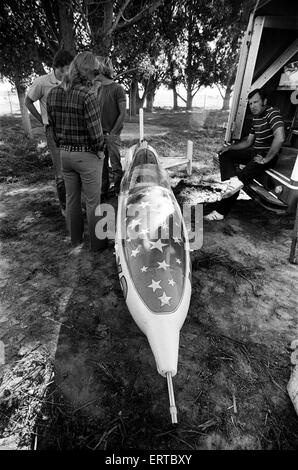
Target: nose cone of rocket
[{"x": 164, "y": 343}]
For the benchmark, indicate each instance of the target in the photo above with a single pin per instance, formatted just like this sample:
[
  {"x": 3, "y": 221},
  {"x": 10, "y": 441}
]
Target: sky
[{"x": 206, "y": 97}]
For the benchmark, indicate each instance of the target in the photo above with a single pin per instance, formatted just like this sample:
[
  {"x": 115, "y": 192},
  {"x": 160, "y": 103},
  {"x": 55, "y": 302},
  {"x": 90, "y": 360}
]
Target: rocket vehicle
[{"x": 153, "y": 258}]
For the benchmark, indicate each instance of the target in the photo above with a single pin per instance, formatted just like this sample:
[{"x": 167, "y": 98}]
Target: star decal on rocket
[
  {"x": 134, "y": 223},
  {"x": 172, "y": 282},
  {"x": 178, "y": 260},
  {"x": 164, "y": 299},
  {"x": 144, "y": 269},
  {"x": 144, "y": 231},
  {"x": 135, "y": 252},
  {"x": 157, "y": 245},
  {"x": 177, "y": 240},
  {"x": 163, "y": 265},
  {"x": 155, "y": 285}
]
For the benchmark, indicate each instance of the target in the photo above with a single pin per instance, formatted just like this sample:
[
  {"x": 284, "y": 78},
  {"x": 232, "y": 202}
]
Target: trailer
[{"x": 269, "y": 60}]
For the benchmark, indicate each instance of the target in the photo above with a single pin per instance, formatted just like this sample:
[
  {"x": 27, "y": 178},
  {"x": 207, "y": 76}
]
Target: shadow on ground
[{"x": 233, "y": 368}]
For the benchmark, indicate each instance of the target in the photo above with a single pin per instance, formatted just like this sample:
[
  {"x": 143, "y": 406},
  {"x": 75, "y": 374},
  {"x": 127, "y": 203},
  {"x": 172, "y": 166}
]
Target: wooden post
[
  {"x": 189, "y": 157},
  {"x": 247, "y": 75},
  {"x": 141, "y": 120}
]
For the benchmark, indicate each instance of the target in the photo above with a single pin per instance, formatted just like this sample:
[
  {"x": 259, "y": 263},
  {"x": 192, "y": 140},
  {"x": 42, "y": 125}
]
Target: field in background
[{"x": 206, "y": 98}]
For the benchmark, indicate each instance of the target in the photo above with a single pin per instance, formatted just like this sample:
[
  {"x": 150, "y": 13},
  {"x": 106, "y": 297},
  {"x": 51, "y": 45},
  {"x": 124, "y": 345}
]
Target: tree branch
[
  {"x": 41, "y": 32},
  {"x": 126, "y": 72},
  {"x": 178, "y": 94},
  {"x": 92, "y": 12},
  {"x": 135, "y": 18},
  {"x": 82, "y": 16},
  {"x": 51, "y": 19},
  {"x": 218, "y": 87},
  {"x": 195, "y": 91},
  {"x": 120, "y": 14}
]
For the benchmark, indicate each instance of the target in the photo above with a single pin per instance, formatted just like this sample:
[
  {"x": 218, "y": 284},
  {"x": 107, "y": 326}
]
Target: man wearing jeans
[
  {"x": 258, "y": 151},
  {"x": 39, "y": 90},
  {"x": 74, "y": 115}
]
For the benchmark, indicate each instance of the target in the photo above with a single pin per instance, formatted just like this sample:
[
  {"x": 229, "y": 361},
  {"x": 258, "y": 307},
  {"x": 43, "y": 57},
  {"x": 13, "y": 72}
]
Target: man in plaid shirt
[{"x": 74, "y": 115}]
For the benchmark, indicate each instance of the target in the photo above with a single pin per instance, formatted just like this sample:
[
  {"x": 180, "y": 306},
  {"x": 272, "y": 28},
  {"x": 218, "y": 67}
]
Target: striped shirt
[
  {"x": 75, "y": 117},
  {"x": 263, "y": 127}
]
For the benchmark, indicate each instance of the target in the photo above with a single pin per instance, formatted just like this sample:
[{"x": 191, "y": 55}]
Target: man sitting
[{"x": 259, "y": 151}]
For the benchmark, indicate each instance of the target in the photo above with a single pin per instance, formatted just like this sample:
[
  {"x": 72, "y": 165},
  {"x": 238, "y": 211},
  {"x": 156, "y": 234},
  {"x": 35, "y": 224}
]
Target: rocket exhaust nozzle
[{"x": 173, "y": 409}]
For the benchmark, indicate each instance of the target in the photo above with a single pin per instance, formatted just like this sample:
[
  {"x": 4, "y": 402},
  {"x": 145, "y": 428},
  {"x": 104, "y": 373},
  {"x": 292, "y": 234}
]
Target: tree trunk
[
  {"x": 140, "y": 100},
  {"x": 189, "y": 77},
  {"x": 149, "y": 101},
  {"x": 66, "y": 23},
  {"x": 175, "y": 99},
  {"x": 100, "y": 20},
  {"x": 133, "y": 97},
  {"x": 21, "y": 90},
  {"x": 189, "y": 98},
  {"x": 135, "y": 101},
  {"x": 227, "y": 97},
  {"x": 173, "y": 85}
]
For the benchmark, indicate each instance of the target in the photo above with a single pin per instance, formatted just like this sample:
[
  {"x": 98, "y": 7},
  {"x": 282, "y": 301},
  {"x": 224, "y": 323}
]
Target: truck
[{"x": 268, "y": 59}]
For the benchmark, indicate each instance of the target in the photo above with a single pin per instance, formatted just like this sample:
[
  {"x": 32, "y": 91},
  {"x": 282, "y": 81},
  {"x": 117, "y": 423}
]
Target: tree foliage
[
  {"x": 188, "y": 43},
  {"x": 20, "y": 52},
  {"x": 227, "y": 46},
  {"x": 138, "y": 55},
  {"x": 107, "y": 17}
]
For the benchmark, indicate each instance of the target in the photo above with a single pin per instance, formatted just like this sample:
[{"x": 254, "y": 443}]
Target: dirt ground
[{"x": 78, "y": 373}]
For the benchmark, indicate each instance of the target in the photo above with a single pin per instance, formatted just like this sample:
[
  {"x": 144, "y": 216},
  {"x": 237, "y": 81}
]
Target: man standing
[
  {"x": 259, "y": 151},
  {"x": 74, "y": 115},
  {"x": 39, "y": 90},
  {"x": 112, "y": 102}
]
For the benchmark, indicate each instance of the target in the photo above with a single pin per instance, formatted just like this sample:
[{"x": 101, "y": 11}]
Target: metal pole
[
  {"x": 141, "y": 119},
  {"x": 173, "y": 409}
]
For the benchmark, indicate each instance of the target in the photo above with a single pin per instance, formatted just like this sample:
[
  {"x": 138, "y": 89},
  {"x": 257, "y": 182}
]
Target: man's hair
[
  {"x": 62, "y": 58},
  {"x": 79, "y": 70},
  {"x": 106, "y": 66},
  {"x": 261, "y": 92}
]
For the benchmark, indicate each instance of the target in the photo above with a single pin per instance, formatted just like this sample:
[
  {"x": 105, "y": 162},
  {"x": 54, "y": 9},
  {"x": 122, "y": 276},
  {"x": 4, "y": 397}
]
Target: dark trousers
[
  {"x": 56, "y": 159},
  {"x": 112, "y": 154},
  {"x": 229, "y": 162}
]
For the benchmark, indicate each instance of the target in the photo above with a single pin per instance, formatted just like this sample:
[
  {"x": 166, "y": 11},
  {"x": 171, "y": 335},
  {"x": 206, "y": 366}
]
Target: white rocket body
[{"x": 152, "y": 252}]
